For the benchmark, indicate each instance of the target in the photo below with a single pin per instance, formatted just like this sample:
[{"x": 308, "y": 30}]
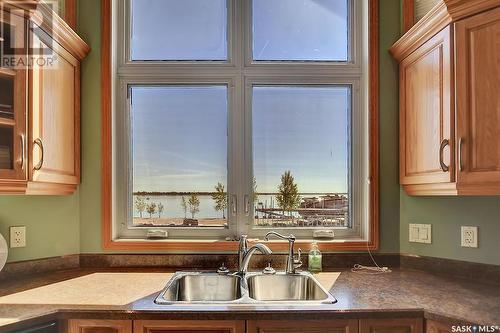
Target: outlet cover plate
[
  {"x": 17, "y": 237},
  {"x": 420, "y": 233},
  {"x": 469, "y": 236}
]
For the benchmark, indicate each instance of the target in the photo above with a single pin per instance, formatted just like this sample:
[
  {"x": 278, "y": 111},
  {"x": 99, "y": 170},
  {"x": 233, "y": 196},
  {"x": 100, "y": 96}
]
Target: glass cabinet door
[{"x": 12, "y": 97}]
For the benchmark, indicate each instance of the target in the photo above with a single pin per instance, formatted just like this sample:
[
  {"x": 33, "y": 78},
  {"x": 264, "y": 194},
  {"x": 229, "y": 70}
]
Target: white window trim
[{"x": 240, "y": 73}]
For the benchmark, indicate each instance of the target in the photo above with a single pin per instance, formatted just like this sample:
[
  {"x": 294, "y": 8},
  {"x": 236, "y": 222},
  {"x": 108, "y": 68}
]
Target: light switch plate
[
  {"x": 469, "y": 236},
  {"x": 17, "y": 237},
  {"x": 420, "y": 233}
]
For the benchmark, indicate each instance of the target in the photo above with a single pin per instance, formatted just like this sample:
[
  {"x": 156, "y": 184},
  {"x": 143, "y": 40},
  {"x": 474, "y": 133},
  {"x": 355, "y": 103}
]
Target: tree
[
  {"x": 288, "y": 197},
  {"x": 184, "y": 205},
  {"x": 151, "y": 209},
  {"x": 160, "y": 209},
  {"x": 140, "y": 205},
  {"x": 194, "y": 204},
  {"x": 220, "y": 198}
]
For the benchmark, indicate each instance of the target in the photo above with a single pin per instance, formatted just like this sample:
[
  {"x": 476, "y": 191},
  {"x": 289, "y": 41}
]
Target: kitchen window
[{"x": 241, "y": 116}]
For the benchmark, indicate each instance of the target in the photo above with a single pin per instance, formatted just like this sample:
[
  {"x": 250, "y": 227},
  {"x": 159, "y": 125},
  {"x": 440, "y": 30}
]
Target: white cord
[{"x": 357, "y": 268}]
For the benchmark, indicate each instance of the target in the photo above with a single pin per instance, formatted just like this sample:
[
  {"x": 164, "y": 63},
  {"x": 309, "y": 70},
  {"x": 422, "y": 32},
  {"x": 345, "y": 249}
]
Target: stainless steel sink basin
[
  {"x": 255, "y": 288},
  {"x": 198, "y": 287},
  {"x": 287, "y": 288}
]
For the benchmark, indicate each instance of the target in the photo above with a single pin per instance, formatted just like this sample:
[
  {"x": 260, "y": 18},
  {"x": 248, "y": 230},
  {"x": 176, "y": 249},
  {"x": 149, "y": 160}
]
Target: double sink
[{"x": 214, "y": 288}]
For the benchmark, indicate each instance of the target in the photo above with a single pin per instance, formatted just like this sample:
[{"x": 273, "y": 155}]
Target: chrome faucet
[
  {"x": 245, "y": 253},
  {"x": 291, "y": 262}
]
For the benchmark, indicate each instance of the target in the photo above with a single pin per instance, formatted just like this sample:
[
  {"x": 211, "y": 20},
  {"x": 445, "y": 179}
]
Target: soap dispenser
[{"x": 315, "y": 260}]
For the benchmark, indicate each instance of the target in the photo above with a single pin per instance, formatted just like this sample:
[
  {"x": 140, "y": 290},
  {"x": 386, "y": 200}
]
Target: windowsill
[{"x": 217, "y": 246}]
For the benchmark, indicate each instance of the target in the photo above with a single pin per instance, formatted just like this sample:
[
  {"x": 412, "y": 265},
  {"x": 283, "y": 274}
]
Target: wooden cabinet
[
  {"x": 405, "y": 325},
  {"x": 189, "y": 326},
  {"x": 426, "y": 116},
  {"x": 449, "y": 101},
  {"x": 301, "y": 326},
  {"x": 54, "y": 138},
  {"x": 391, "y": 325},
  {"x": 99, "y": 326},
  {"x": 478, "y": 100},
  {"x": 436, "y": 327},
  {"x": 40, "y": 103}
]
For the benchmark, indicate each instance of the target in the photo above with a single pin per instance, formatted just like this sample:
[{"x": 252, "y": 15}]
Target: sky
[
  {"x": 197, "y": 29},
  {"x": 180, "y": 133}
]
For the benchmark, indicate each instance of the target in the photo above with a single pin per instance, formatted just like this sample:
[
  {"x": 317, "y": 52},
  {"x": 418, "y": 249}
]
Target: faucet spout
[{"x": 246, "y": 259}]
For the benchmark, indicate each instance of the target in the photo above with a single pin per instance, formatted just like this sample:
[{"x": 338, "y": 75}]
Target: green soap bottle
[{"x": 315, "y": 264}]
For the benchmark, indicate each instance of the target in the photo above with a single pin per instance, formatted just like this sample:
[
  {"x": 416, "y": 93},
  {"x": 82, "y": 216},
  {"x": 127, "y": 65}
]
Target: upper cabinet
[
  {"x": 478, "y": 98},
  {"x": 40, "y": 105},
  {"x": 449, "y": 100}
]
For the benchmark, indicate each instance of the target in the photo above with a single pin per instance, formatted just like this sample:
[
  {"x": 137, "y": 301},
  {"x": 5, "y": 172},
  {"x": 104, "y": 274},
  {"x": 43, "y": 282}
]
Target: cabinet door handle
[
  {"x": 23, "y": 152},
  {"x": 444, "y": 143},
  {"x": 39, "y": 143},
  {"x": 460, "y": 147}
]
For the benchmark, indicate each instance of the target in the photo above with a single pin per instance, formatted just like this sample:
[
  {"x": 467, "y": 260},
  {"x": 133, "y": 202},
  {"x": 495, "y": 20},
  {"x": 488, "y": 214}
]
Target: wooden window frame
[
  {"x": 408, "y": 14},
  {"x": 208, "y": 246}
]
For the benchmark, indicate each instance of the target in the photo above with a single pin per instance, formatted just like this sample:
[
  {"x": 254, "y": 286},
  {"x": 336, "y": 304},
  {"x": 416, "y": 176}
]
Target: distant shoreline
[{"x": 141, "y": 193}]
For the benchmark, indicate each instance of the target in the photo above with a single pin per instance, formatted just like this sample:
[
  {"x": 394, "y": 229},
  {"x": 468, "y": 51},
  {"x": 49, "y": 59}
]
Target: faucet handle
[
  {"x": 269, "y": 270},
  {"x": 223, "y": 270},
  {"x": 297, "y": 262}
]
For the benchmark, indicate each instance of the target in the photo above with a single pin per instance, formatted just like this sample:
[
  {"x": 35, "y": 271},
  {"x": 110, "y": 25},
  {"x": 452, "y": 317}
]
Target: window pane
[
  {"x": 315, "y": 30},
  {"x": 179, "y": 136},
  {"x": 301, "y": 133},
  {"x": 179, "y": 30}
]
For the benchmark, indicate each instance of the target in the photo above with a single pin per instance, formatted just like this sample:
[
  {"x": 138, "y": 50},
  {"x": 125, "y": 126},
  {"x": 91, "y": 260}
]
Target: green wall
[
  {"x": 446, "y": 215},
  {"x": 52, "y": 225},
  {"x": 389, "y": 20},
  {"x": 89, "y": 28}
]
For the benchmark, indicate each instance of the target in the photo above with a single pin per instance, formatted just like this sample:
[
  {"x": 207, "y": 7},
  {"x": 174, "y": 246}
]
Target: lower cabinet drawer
[
  {"x": 189, "y": 326},
  {"x": 303, "y": 326},
  {"x": 99, "y": 326},
  {"x": 411, "y": 325}
]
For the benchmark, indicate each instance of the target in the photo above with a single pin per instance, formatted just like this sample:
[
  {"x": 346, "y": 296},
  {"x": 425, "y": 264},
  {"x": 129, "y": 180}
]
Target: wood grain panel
[
  {"x": 426, "y": 112},
  {"x": 188, "y": 326},
  {"x": 413, "y": 325},
  {"x": 55, "y": 116},
  {"x": 303, "y": 326},
  {"x": 99, "y": 326},
  {"x": 478, "y": 97},
  {"x": 436, "y": 327}
]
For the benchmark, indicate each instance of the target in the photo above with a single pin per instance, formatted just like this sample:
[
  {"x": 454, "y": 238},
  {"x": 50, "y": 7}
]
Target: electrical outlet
[
  {"x": 469, "y": 236},
  {"x": 17, "y": 237}
]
